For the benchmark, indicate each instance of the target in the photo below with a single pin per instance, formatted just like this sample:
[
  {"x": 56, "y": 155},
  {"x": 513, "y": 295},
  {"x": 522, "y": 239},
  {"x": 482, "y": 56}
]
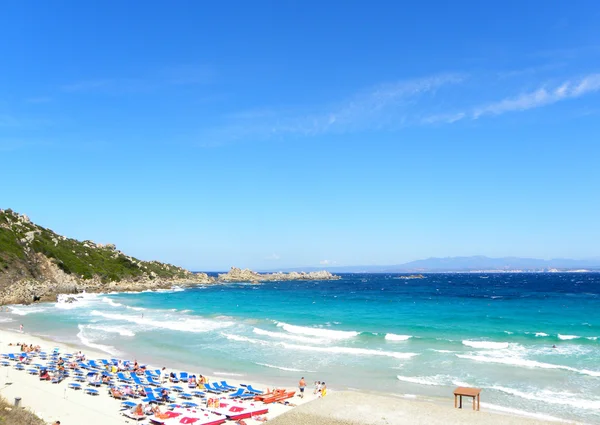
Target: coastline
[{"x": 55, "y": 402}]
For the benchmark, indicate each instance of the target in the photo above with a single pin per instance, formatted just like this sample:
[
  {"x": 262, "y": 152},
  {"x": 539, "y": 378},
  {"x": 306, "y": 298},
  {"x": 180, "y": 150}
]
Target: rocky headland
[
  {"x": 247, "y": 275},
  {"x": 37, "y": 264}
]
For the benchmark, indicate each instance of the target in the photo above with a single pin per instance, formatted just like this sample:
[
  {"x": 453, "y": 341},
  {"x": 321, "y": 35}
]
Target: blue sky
[{"x": 288, "y": 133}]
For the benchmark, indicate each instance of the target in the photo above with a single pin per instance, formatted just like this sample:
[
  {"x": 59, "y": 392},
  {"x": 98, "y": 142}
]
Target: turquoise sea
[{"x": 381, "y": 332}]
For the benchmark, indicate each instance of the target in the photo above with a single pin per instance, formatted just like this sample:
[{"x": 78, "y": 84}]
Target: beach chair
[
  {"x": 74, "y": 386},
  {"x": 177, "y": 388},
  {"x": 212, "y": 390},
  {"x": 5, "y": 363},
  {"x": 32, "y": 371},
  {"x": 19, "y": 366},
  {"x": 220, "y": 387},
  {"x": 58, "y": 379},
  {"x": 189, "y": 405},
  {"x": 122, "y": 378},
  {"x": 128, "y": 405},
  {"x": 183, "y": 376},
  {"x": 246, "y": 396},
  {"x": 93, "y": 364},
  {"x": 238, "y": 393},
  {"x": 224, "y": 384},
  {"x": 12, "y": 357},
  {"x": 152, "y": 382},
  {"x": 253, "y": 390},
  {"x": 186, "y": 396},
  {"x": 91, "y": 391},
  {"x": 136, "y": 379},
  {"x": 198, "y": 394}
]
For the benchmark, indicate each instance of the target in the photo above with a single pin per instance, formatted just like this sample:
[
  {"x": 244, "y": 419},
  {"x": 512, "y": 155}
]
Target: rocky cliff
[
  {"x": 36, "y": 264},
  {"x": 247, "y": 275}
]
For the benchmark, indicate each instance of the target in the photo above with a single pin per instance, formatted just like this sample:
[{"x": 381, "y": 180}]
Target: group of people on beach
[
  {"x": 320, "y": 388},
  {"x": 27, "y": 348}
]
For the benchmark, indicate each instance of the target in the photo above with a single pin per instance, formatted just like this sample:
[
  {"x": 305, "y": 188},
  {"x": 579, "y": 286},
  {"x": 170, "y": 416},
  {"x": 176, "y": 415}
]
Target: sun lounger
[
  {"x": 58, "y": 379},
  {"x": 224, "y": 384},
  {"x": 183, "y": 376},
  {"x": 128, "y": 404},
  {"x": 5, "y": 363},
  {"x": 151, "y": 381},
  {"x": 189, "y": 405},
  {"x": 93, "y": 364},
  {"x": 212, "y": 390},
  {"x": 19, "y": 366},
  {"x": 252, "y": 390},
  {"x": 186, "y": 396},
  {"x": 238, "y": 393},
  {"x": 32, "y": 371},
  {"x": 138, "y": 381},
  {"x": 13, "y": 357},
  {"x": 134, "y": 416},
  {"x": 247, "y": 396},
  {"x": 123, "y": 378},
  {"x": 199, "y": 394},
  {"x": 221, "y": 387},
  {"x": 74, "y": 386},
  {"x": 91, "y": 391},
  {"x": 177, "y": 388}
]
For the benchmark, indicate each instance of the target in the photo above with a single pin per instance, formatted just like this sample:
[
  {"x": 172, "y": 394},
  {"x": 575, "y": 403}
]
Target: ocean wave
[
  {"x": 350, "y": 350},
  {"x": 112, "y": 329},
  {"x": 6, "y": 319},
  {"x": 551, "y": 397},
  {"x": 280, "y": 335},
  {"x": 186, "y": 324},
  {"x": 394, "y": 337},
  {"x": 111, "y": 302},
  {"x": 485, "y": 344},
  {"x": 513, "y": 361},
  {"x": 317, "y": 349},
  {"x": 324, "y": 333},
  {"x": 541, "y": 334},
  {"x": 240, "y": 338},
  {"x": 568, "y": 337},
  {"x": 518, "y": 412},
  {"x": 442, "y": 351},
  {"x": 85, "y": 341},
  {"x": 592, "y": 338},
  {"x": 288, "y": 369},
  {"x": 437, "y": 380},
  {"x": 24, "y": 310},
  {"x": 135, "y": 308}
]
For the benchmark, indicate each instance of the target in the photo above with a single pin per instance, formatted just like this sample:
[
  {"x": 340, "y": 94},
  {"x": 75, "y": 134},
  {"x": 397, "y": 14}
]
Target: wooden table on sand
[{"x": 467, "y": 392}]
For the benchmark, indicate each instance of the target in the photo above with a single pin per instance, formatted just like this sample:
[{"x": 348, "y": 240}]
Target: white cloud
[
  {"x": 326, "y": 262},
  {"x": 273, "y": 257},
  {"x": 541, "y": 97}
]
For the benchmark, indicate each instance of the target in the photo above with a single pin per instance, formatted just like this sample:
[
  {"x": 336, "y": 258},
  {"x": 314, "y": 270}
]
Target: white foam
[
  {"x": 324, "y": 333},
  {"x": 437, "y": 380},
  {"x": 517, "y": 412},
  {"x": 394, "y": 337},
  {"x": 515, "y": 361},
  {"x": 24, "y": 310},
  {"x": 185, "y": 324},
  {"x": 567, "y": 337},
  {"x": 592, "y": 338},
  {"x": 541, "y": 334},
  {"x": 288, "y": 369},
  {"x": 350, "y": 350},
  {"x": 6, "y": 319},
  {"x": 442, "y": 351},
  {"x": 111, "y": 302},
  {"x": 112, "y": 329},
  {"x": 135, "y": 308},
  {"x": 85, "y": 341},
  {"x": 485, "y": 344},
  {"x": 280, "y": 335},
  {"x": 551, "y": 397},
  {"x": 332, "y": 349}
]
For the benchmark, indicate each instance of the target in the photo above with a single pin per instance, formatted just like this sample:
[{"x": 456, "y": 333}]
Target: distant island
[
  {"x": 247, "y": 275},
  {"x": 472, "y": 264}
]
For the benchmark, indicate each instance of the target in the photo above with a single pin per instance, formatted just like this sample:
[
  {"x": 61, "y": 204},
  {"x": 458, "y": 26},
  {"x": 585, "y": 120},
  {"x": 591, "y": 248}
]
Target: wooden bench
[{"x": 467, "y": 392}]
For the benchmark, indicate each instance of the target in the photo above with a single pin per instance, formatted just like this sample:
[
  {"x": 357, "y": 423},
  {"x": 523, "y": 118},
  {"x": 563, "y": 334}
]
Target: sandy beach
[{"x": 54, "y": 402}]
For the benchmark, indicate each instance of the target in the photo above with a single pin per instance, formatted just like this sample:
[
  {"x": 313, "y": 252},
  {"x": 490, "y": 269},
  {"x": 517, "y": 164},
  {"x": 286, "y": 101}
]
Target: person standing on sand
[
  {"x": 301, "y": 386},
  {"x": 21, "y": 328}
]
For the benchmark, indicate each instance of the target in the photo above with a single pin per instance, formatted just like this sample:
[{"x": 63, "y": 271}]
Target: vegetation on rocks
[{"x": 31, "y": 254}]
